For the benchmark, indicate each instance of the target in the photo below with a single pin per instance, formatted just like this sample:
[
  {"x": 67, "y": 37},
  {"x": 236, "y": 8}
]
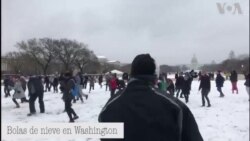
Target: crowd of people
[
  {"x": 70, "y": 85},
  {"x": 158, "y": 94},
  {"x": 149, "y": 106},
  {"x": 180, "y": 86}
]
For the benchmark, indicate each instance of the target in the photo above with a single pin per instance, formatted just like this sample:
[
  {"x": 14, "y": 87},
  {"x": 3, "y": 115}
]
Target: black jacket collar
[{"x": 143, "y": 79}]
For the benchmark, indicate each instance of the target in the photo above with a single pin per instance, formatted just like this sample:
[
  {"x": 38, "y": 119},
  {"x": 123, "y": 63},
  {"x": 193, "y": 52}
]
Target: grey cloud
[{"x": 172, "y": 31}]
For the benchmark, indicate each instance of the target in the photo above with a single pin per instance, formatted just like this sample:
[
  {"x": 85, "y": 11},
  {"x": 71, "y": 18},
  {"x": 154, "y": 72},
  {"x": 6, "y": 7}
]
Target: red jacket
[{"x": 113, "y": 84}]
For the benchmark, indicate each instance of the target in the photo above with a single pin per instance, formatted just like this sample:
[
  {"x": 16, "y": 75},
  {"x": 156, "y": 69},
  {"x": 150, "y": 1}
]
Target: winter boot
[
  {"x": 17, "y": 106},
  {"x": 30, "y": 114},
  {"x": 75, "y": 117}
]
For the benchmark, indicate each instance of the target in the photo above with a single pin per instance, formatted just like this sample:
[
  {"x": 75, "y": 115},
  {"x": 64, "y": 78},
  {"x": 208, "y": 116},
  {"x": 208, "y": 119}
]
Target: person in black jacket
[
  {"x": 125, "y": 77},
  {"x": 170, "y": 87},
  {"x": 55, "y": 84},
  {"x": 179, "y": 84},
  {"x": 148, "y": 113},
  {"x": 219, "y": 83},
  {"x": 6, "y": 86},
  {"x": 36, "y": 90},
  {"x": 205, "y": 86},
  {"x": 247, "y": 77},
  {"x": 46, "y": 81},
  {"x": 186, "y": 86},
  {"x": 60, "y": 80},
  {"x": 100, "y": 80},
  {"x": 176, "y": 76},
  {"x": 234, "y": 79},
  {"x": 199, "y": 76},
  {"x": 85, "y": 82},
  {"x": 67, "y": 87}
]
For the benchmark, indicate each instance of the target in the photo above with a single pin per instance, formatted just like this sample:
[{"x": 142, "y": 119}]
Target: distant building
[
  {"x": 102, "y": 59},
  {"x": 4, "y": 65},
  {"x": 194, "y": 63},
  {"x": 117, "y": 63}
]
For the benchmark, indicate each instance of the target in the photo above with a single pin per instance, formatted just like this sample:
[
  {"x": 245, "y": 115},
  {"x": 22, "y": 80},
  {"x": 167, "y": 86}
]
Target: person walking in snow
[
  {"x": 108, "y": 78},
  {"x": 125, "y": 77},
  {"x": 61, "y": 81},
  {"x": 205, "y": 87},
  {"x": 219, "y": 83},
  {"x": 36, "y": 90},
  {"x": 51, "y": 80},
  {"x": 121, "y": 84},
  {"x": 162, "y": 84},
  {"x": 67, "y": 88},
  {"x": 7, "y": 86},
  {"x": 24, "y": 85},
  {"x": 247, "y": 77},
  {"x": 179, "y": 84},
  {"x": 91, "y": 83},
  {"x": 19, "y": 92},
  {"x": 55, "y": 84},
  {"x": 234, "y": 79},
  {"x": 100, "y": 80},
  {"x": 113, "y": 85},
  {"x": 46, "y": 81},
  {"x": 176, "y": 76},
  {"x": 85, "y": 82},
  {"x": 79, "y": 87},
  {"x": 82, "y": 79},
  {"x": 186, "y": 87},
  {"x": 170, "y": 87}
]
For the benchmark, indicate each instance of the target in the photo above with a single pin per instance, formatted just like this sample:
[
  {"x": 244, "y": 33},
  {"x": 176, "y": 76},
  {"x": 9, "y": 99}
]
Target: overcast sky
[{"x": 172, "y": 31}]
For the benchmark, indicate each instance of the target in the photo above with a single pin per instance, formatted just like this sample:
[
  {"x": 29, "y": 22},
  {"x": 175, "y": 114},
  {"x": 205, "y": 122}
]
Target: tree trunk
[
  {"x": 81, "y": 69},
  {"x": 66, "y": 66}
]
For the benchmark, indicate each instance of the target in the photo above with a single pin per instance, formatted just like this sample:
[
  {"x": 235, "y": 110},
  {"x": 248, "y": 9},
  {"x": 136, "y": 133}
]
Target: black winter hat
[
  {"x": 143, "y": 64},
  {"x": 68, "y": 73}
]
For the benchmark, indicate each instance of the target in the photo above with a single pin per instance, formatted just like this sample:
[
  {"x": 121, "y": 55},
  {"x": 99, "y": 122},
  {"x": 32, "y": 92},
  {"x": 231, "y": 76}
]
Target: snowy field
[{"x": 226, "y": 120}]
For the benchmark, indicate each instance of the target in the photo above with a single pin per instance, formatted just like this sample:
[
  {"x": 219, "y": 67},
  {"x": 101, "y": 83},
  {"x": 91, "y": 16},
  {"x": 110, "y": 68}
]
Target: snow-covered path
[{"x": 226, "y": 120}]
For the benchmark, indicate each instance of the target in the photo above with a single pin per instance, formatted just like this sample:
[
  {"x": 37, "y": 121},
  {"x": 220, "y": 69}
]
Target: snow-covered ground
[{"x": 226, "y": 120}]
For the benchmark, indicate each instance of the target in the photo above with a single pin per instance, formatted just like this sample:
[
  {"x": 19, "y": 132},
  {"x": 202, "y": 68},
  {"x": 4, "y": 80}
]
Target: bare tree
[
  {"x": 40, "y": 50},
  {"x": 15, "y": 60},
  {"x": 83, "y": 57},
  {"x": 93, "y": 65},
  {"x": 67, "y": 51}
]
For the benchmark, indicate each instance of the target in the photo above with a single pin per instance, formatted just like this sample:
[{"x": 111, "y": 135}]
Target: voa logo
[{"x": 224, "y": 8}]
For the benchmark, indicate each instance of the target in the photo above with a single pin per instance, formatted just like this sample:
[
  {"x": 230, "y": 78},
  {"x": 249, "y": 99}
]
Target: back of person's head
[
  {"x": 68, "y": 74},
  {"x": 203, "y": 72},
  {"x": 181, "y": 74},
  {"x": 17, "y": 77},
  {"x": 143, "y": 64}
]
